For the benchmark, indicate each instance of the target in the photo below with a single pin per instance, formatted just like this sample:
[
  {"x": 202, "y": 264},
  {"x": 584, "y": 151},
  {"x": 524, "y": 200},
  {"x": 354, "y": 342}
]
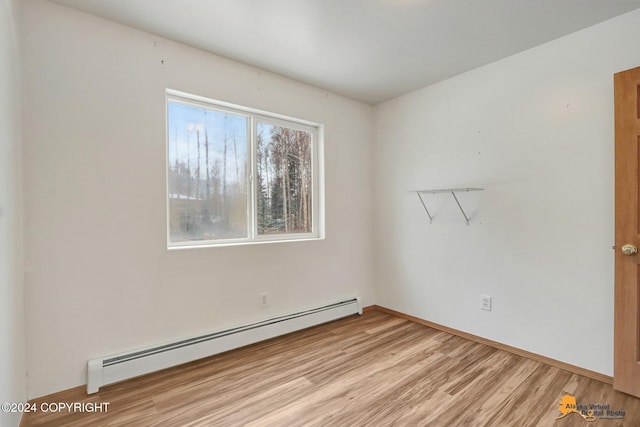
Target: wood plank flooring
[{"x": 369, "y": 370}]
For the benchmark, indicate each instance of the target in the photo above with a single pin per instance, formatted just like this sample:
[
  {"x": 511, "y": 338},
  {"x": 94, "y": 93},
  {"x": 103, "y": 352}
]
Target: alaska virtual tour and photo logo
[{"x": 590, "y": 412}]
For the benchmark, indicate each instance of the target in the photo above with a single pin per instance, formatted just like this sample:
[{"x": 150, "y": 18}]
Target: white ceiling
[{"x": 370, "y": 50}]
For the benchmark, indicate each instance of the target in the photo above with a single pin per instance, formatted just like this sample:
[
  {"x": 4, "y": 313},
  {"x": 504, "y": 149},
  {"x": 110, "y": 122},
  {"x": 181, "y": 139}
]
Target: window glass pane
[
  {"x": 207, "y": 157},
  {"x": 284, "y": 180}
]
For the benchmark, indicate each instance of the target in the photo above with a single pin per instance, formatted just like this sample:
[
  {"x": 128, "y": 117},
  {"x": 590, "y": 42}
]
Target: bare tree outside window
[
  {"x": 207, "y": 174},
  {"x": 284, "y": 180}
]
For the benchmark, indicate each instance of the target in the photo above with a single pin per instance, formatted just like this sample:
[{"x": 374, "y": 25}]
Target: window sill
[{"x": 190, "y": 245}]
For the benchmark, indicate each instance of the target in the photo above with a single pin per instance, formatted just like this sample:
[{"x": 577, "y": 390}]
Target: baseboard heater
[{"x": 112, "y": 369}]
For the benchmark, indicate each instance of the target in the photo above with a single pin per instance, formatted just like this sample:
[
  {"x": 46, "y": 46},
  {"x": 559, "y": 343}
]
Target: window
[{"x": 237, "y": 175}]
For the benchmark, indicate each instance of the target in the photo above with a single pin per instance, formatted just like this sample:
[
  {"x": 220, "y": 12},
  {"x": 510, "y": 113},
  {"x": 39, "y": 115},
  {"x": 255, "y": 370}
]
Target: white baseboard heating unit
[{"x": 112, "y": 369}]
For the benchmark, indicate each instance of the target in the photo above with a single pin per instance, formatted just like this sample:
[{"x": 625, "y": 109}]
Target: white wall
[
  {"x": 536, "y": 130},
  {"x": 12, "y": 345},
  {"x": 99, "y": 278}
]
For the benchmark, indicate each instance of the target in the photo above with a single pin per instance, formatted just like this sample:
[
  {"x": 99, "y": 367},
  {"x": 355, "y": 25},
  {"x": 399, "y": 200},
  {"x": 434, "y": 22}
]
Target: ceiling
[{"x": 369, "y": 50}]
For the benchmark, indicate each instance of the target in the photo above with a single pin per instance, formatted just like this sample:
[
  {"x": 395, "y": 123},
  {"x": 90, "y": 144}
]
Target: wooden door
[{"x": 626, "y": 376}]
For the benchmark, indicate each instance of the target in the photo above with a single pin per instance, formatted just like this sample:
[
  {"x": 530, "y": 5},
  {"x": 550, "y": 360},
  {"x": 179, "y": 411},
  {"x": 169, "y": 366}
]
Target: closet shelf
[{"x": 453, "y": 192}]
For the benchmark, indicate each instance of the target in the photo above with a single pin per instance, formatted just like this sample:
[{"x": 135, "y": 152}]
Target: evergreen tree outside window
[{"x": 237, "y": 175}]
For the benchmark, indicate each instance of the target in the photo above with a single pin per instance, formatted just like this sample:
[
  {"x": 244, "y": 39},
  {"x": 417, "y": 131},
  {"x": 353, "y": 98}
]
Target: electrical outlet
[
  {"x": 485, "y": 302},
  {"x": 264, "y": 300}
]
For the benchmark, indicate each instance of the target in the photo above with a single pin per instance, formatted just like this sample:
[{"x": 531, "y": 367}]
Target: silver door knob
[{"x": 629, "y": 250}]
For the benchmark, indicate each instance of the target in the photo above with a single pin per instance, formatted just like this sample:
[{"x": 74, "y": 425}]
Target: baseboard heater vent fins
[{"x": 112, "y": 369}]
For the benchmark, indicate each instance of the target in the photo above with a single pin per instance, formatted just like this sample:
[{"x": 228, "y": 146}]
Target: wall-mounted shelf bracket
[{"x": 453, "y": 192}]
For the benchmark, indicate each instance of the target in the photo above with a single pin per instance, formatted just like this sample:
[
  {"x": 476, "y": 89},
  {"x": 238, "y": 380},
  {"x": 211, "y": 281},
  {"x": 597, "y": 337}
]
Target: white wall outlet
[
  {"x": 485, "y": 302},
  {"x": 264, "y": 300}
]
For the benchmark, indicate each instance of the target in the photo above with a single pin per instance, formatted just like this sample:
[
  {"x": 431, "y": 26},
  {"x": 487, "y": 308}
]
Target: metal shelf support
[{"x": 453, "y": 192}]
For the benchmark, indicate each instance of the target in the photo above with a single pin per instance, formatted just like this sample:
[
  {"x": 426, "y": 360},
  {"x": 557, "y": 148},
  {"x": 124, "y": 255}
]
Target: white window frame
[{"x": 253, "y": 117}]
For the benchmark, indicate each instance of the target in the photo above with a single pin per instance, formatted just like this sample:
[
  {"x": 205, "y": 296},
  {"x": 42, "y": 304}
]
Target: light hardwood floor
[{"x": 369, "y": 370}]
